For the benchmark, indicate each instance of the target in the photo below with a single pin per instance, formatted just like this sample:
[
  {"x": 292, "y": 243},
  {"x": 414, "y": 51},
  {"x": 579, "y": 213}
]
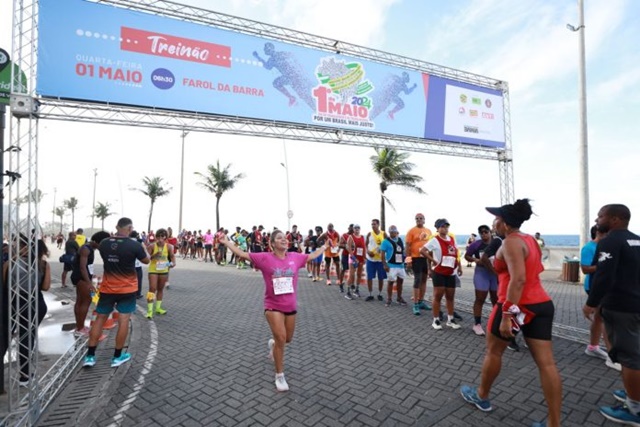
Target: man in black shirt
[
  {"x": 71, "y": 249},
  {"x": 615, "y": 289}
]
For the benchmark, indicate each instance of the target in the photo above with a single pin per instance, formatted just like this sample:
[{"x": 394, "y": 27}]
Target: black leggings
[{"x": 27, "y": 333}]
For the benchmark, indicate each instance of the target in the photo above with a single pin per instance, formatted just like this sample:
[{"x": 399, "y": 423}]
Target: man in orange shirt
[
  {"x": 118, "y": 289},
  {"x": 416, "y": 239}
]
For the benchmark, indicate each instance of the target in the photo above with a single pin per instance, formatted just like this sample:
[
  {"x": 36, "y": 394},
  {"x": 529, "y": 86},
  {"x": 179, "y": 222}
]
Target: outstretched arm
[
  {"x": 408, "y": 90},
  {"x": 233, "y": 248}
]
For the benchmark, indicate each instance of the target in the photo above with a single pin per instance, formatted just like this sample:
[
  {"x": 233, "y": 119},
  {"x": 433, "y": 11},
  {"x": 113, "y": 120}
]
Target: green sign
[{"x": 5, "y": 78}]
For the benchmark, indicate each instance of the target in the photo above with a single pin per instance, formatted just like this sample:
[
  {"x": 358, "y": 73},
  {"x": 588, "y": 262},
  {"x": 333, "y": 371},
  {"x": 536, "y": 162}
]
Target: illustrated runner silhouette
[
  {"x": 292, "y": 75},
  {"x": 390, "y": 94}
]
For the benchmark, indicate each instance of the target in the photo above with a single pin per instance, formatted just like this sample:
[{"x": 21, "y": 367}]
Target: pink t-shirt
[
  {"x": 283, "y": 272},
  {"x": 208, "y": 239}
]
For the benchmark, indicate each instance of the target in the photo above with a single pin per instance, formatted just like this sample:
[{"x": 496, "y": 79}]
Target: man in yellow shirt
[{"x": 81, "y": 239}]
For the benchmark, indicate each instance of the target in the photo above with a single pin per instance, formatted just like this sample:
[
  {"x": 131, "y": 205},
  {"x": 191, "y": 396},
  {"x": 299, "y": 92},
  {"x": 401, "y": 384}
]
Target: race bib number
[
  {"x": 359, "y": 251},
  {"x": 334, "y": 249},
  {"x": 398, "y": 258},
  {"x": 90, "y": 268},
  {"x": 448, "y": 261},
  {"x": 283, "y": 285},
  {"x": 162, "y": 265}
]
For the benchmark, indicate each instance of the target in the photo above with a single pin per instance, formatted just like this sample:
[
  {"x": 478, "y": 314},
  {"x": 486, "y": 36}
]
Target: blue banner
[{"x": 101, "y": 53}]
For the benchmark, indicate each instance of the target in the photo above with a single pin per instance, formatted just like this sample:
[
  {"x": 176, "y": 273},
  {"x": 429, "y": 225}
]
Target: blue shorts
[
  {"x": 344, "y": 258},
  {"x": 317, "y": 260},
  {"x": 124, "y": 303},
  {"x": 375, "y": 268},
  {"x": 485, "y": 281}
]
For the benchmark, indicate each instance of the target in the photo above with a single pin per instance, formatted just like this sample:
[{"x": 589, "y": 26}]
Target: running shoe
[
  {"x": 89, "y": 361},
  {"x": 270, "y": 344},
  {"x": 356, "y": 293},
  {"x": 23, "y": 382},
  {"x": 424, "y": 306},
  {"x": 477, "y": 329},
  {"x": 470, "y": 394},
  {"x": 401, "y": 301},
  {"x": 161, "y": 310},
  {"x": 281, "y": 383},
  {"x": 596, "y": 351},
  {"x": 453, "y": 324},
  {"x": 513, "y": 346},
  {"x": 341, "y": 288},
  {"x": 540, "y": 424},
  {"x": 416, "y": 309},
  {"x": 117, "y": 361},
  {"x": 348, "y": 296},
  {"x": 456, "y": 316},
  {"x": 388, "y": 303},
  {"x": 612, "y": 365},
  {"x": 620, "y": 395},
  {"x": 380, "y": 298},
  {"x": 370, "y": 298},
  {"x": 84, "y": 332},
  {"x": 313, "y": 280},
  {"x": 328, "y": 282},
  {"x": 437, "y": 325},
  {"x": 310, "y": 275},
  {"x": 620, "y": 414}
]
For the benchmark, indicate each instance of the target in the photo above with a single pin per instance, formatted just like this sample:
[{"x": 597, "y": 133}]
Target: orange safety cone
[{"x": 111, "y": 321}]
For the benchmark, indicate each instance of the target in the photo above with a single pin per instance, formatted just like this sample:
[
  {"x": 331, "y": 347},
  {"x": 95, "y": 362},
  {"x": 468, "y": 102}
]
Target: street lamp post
[
  {"x": 583, "y": 144},
  {"x": 183, "y": 135},
  {"x": 285, "y": 165},
  {"x": 93, "y": 208},
  {"x": 53, "y": 211}
]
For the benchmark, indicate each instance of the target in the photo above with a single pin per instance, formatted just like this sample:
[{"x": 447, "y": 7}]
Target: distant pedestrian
[
  {"x": 280, "y": 272},
  {"x": 470, "y": 240},
  {"x": 615, "y": 291},
  {"x": 523, "y": 304},
  {"x": 71, "y": 249},
  {"x": 117, "y": 289}
]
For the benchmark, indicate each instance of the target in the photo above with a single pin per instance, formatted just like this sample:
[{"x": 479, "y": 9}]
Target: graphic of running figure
[
  {"x": 390, "y": 94},
  {"x": 292, "y": 75}
]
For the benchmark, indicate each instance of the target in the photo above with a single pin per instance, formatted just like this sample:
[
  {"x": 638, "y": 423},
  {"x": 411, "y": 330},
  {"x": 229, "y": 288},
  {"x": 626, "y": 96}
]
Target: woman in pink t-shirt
[{"x": 280, "y": 272}]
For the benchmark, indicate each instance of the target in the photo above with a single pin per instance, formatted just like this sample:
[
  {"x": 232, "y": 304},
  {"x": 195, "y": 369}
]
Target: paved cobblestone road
[{"x": 351, "y": 363}]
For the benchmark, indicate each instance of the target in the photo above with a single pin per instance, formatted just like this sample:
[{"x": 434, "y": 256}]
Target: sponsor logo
[
  {"x": 476, "y": 101},
  {"x": 169, "y": 46},
  {"x": 487, "y": 103},
  {"x": 473, "y": 113},
  {"x": 489, "y": 116},
  {"x": 162, "y": 78},
  {"x": 603, "y": 256},
  {"x": 471, "y": 129},
  {"x": 461, "y": 110},
  {"x": 463, "y": 98},
  {"x": 633, "y": 242}
]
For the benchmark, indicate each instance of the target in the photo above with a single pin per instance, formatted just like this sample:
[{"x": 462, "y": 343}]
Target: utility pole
[
  {"x": 184, "y": 134},
  {"x": 93, "y": 207},
  {"x": 53, "y": 211}
]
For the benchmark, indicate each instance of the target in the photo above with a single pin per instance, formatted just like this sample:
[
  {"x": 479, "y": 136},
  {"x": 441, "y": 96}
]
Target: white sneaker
[
  {"x": 453, "y": 324},
  {"x": 477, "y": 329},
  {"x": 596, "y": 352},
  {"x": 436, "y": 324},
  {"x": 281, "y": 383},
  {"x": 612, "y": 365},
  {"x": 270, "y": 344}
]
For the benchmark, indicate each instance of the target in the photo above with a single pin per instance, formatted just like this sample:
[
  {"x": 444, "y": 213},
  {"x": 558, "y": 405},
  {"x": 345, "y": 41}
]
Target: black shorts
[
  {"x": 68, "y": 266},
  {"x": 288, "y": 313},
  {"x": 539, "y": 328},
  {"x": 623, "y": 331},
  {"x": 198, "y": 245},
  {"x": 442, "y": 281},
  {"x": 336, "y": 259},
  {"x": 420, "y": 270},
  {"x": 208, "y": 247}
]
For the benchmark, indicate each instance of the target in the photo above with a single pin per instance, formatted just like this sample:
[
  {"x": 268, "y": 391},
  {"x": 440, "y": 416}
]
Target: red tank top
[
  {"x": 449, "y": 256},
  {"x": 360, "y": 247},
  {"x": 533, "y": 292}
]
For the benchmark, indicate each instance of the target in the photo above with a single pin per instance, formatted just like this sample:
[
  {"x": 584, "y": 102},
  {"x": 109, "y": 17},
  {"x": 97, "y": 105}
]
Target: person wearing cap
[
  {"x": 280, "y": 273},
  {"x": 416, "y": 238},
  {"x": 294, "y": 239},
  {"x": 392, "y": 251},
  {"x": 523, "y": 304},
  {"x": 374, "y": 259},
  {"x": 356, "y": 246},
  {"x": 442, "y": 253},
  {"x": 485, "y": 280},
  {"x": 344, "y": 258}
]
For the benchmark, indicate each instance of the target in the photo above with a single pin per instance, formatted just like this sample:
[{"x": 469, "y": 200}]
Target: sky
[{"x": 524, "y": 43}]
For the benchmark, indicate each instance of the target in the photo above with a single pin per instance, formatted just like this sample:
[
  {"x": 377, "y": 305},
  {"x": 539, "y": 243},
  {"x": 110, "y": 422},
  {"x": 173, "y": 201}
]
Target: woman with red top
[
  {"x": 356, "y": 247},
  {"x": 523, "y": 305}
]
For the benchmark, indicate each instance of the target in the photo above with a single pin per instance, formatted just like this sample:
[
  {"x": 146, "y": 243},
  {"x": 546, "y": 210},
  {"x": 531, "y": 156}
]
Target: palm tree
[
  {"x": 393, "y": 169},
  {"x": 102, "y": 212},
  {"x": 59, "y": 212},
  {"x": 218, "y": 181},
  {"x": 153, "y": 189},
  {"x": 72, "y": 205}
]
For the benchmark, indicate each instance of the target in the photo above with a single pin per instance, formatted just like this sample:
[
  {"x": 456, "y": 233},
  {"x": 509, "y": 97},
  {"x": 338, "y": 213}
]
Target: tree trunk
[
  {"x": 60, "y": 224},
  {"x": 217, "y": 213},
  {"x": 103, "y": 224},
  {"x": 150, "y": 215},
  {"x": 73, "y": 219},
  {"x": 382, "y": 214}
]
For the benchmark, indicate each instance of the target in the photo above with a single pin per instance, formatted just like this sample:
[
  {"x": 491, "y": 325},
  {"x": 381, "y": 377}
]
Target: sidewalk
[{"x": 351, "y": 363}]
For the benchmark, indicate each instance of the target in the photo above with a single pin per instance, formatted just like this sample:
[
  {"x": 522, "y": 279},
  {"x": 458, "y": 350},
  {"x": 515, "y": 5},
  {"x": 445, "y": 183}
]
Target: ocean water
[{"x": 549, "y": 239}]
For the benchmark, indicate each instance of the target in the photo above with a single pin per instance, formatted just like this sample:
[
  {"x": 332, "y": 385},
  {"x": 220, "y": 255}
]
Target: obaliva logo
[{"x": 5, "y": 85}]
